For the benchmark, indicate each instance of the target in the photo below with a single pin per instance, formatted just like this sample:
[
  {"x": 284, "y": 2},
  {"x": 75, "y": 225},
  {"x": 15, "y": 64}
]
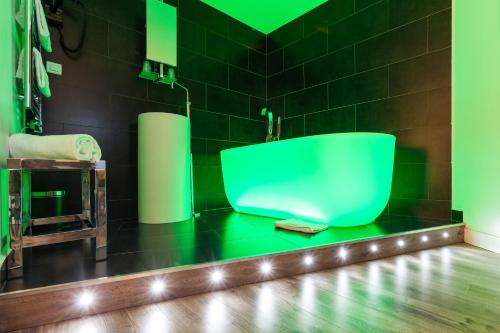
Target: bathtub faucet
[{"x": 269, "y": 125}]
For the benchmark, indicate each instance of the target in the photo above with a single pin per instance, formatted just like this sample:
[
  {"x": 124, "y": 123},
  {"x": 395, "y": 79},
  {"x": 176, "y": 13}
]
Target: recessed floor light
[
  {"x": 217, "y": 276},
  {"x": 86, "y": 299},
  {"x": 374, "y": 248},
  {"x": 266, "y": 268},
  {"x": 425, "y": 238},
  {"x": 308, "y": 260},
  {"x": 343, "y": 253},
  {"x": 157, "y": 287},
  {"x": 401, "y": 243},
  {"x": 446, "y": 235}
]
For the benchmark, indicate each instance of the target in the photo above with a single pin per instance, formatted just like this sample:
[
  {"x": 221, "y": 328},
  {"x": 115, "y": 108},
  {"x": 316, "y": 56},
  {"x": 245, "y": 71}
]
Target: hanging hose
[{"x": 73, "y": 51}]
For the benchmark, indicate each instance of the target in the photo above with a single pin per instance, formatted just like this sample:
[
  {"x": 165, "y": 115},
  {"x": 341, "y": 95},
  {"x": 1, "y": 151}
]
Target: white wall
[{"x": 476, "y": 119}]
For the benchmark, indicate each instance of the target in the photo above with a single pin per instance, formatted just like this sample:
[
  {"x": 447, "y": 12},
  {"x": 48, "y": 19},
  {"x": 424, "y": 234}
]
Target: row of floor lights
[{"x": 158, "y": 287}]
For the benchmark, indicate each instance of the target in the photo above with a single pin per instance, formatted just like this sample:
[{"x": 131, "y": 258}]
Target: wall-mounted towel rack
[{"x": 32, "y": 98}]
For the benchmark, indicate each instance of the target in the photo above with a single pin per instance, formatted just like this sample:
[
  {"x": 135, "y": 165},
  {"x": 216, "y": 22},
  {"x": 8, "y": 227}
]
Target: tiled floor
[{"x": 135, "y": 247}]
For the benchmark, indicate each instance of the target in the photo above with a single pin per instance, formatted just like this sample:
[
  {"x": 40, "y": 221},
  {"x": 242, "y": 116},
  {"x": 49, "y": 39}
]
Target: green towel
[
  {"x": 300, "y": 226},
  {"x": 42, "y": 79},
  {"x": 55, "y": 147},
  {"x": 42, "y": 27}
]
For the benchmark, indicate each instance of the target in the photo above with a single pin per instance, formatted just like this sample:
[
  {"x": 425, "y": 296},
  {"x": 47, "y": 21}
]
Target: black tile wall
[
  {"x": 220, "y": 60},
  {"x": 386, "y": 67},
  {"x": 348, "y": 65}
]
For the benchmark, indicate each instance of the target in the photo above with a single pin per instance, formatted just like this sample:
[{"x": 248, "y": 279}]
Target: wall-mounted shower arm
[{"x": 188, "y": 101}]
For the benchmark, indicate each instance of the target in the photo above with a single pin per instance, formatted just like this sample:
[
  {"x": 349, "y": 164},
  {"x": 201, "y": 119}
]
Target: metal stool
[{"x": 20, "y": 209}]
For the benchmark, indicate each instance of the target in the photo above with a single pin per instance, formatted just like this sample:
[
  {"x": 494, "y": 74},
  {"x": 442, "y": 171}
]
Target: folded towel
[
  {"x": 20, "y": 66},
  {"x": 42, "y": 79},
  {"x": 42, "y": 27},
  {"x": 20, "y": 14},
  {"x": 55, "y": 147},
  {"x": 300, "y": 226}
]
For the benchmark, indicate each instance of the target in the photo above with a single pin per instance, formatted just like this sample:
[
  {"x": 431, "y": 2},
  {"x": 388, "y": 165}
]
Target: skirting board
[
  {"x": 482, "y": 240},
  {"x": 35, "y": 307}
]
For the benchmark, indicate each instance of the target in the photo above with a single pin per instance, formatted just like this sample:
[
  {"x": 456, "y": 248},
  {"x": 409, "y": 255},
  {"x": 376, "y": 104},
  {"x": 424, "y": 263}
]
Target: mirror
[{"x": 161, "y": 32}]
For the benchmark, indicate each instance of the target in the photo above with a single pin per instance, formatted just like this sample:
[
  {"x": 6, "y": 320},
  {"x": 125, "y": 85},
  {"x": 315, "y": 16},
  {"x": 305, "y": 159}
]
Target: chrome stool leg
[
  {"x": 15, "y": 260},
  {"x": 100, "y": 210}
]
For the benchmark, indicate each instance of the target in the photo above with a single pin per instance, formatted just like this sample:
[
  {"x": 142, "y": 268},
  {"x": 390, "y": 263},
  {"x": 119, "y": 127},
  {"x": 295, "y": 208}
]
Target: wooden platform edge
[{"x": 35, "y": 307}]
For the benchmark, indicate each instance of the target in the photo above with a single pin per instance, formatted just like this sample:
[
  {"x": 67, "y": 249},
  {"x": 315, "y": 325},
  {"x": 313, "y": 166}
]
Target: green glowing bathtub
[{"x": 339, "y": 179}]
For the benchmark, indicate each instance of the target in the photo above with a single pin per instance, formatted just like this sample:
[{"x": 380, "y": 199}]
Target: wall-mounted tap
[{"x": 270, "y": 125}]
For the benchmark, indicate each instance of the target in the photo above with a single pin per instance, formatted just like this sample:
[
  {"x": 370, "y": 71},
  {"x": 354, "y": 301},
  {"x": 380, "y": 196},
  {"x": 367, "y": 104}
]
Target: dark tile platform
[{"x": 135, "y": 247}]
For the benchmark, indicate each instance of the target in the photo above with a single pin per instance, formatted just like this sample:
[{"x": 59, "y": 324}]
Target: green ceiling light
[{"x": 264, "y": 15}]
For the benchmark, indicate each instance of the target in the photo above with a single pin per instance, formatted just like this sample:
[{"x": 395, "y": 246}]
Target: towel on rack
[
  {"x": 42, "y": 79},
  {"x": 20, "y": 14},
  {"x": 20, "y": 66},
  {"x": 42, "y": 27},
  {"x": 55, "y": 147}
]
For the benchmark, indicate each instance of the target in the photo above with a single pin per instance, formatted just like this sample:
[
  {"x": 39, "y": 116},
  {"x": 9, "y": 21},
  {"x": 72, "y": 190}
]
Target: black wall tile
[
  {"x": 440, "y": 30},
  {"x": 127, "y": 13},
  {"x": 199, "y": 121},
  {"x": 275, "y": 62},
  {"x": 353, "y": 29},
  {"x": 125, "y": 79},
  {"x": 227, "y": 51},
  {"x": 246, "y": 130},
  {"x": 405, "y": 42},
  {"x": 227, "y": 102},
  {"x": 423, "y": 73},
  {"x": 361, "y": 4},
  {"x": 402, "y": 112},
  {"x": 247, "y": 82},
  {"x": 126, "y": 44},
  {"x": 257, "y": 62},
  {"x": 286, "y": 82},
  {"x": 191, "y": 35},
  {"x": 401, "y": 12},
  {"x": 305, "y": 49},
  {"x": 329, "y": 67},
  {"x": 293, "y": 127},
  {"x": 200, "y": 68},
  {"x": 331, "y": 121},
  {"x": 306, "y": 101},
  {"x": 440, "y": 106},
  {"x": 359, "y": 88},
  {"x": 410, "y": 181}
]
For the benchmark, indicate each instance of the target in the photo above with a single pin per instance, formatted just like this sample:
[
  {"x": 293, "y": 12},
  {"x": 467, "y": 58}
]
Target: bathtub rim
[{"x": 377, "y": 134}]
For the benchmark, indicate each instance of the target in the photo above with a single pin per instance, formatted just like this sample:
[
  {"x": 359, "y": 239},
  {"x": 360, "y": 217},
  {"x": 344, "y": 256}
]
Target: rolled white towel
[{"x": 55, "y": 147}]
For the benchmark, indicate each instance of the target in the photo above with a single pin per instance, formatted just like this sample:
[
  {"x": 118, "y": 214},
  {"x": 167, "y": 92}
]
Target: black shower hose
[{"x": 73, "y": 51}]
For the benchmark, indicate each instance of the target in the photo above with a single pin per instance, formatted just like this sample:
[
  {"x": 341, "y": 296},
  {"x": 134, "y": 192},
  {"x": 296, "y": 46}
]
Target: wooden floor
[{"x": 449, "y": 289}]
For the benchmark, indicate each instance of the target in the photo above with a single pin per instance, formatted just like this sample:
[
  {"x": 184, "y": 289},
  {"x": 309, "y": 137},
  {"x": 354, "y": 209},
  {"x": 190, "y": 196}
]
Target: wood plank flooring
[{"x": 450, "y": 289}]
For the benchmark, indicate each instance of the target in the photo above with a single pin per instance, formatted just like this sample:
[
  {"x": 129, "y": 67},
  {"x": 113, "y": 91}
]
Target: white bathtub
[{"x": 338, "y": 179}]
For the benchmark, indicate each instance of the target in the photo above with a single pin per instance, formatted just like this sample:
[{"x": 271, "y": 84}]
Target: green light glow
[
  {"x": 338, "y": 179},
  {"x": 476, "y": 114},
  {"x": 264, "y": 15}
]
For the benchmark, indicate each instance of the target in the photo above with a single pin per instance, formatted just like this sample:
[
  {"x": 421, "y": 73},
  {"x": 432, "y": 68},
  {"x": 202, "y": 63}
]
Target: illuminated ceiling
[{"x": 264, "y": 15}]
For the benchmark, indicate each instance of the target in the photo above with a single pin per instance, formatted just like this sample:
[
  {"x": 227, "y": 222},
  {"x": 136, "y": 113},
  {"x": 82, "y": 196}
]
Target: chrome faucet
[{"x": 269, "y": 125}]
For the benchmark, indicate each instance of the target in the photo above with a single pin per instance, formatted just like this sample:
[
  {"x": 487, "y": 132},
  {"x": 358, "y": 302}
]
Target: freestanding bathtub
[{"x": 338, "y": 179}]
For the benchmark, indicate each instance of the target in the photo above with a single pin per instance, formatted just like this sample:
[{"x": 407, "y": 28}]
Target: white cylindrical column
[{"x": 164, "y": 168}]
